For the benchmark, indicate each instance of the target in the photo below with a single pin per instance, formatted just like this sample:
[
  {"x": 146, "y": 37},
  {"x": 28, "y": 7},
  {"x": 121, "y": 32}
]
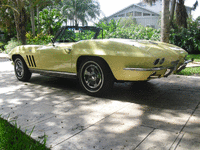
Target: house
[
  {"x": 157, "y": 7},
  {"x": 143, "y": 13}
]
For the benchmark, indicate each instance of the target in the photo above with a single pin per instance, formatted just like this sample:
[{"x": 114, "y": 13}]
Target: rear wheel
[
  {"x": 95, "y": 76},
  {"x": 21, "y": 70}
]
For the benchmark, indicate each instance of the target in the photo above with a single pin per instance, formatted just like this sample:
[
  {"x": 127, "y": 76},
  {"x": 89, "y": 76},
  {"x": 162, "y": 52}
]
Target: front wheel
[
  {"x": 21, "y": 70},
  {"x": 95, "y": 77}
]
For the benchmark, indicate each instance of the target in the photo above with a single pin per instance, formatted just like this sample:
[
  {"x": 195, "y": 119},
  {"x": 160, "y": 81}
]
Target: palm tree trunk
[
  {"x": 20, "y": 22},
  {"x": 23, "y": 26},
  {"x": 16, "y": 18},
  {"x": 181, "y": 14},
  {"x": 172, "y": 11},
  {"x": 32, "y": 18},
  {"x": 38, "y": 20},
  {"x": 165, "y": 24}
]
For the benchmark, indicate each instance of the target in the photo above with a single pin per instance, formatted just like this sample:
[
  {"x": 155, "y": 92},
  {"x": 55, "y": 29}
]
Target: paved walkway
[
  {"x": 161, "y": 114},
  {"x": 3, "y": 57}
]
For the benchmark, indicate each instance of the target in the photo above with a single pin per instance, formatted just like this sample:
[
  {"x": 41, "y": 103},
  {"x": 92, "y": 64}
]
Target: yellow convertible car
[{"x": 97, "y": 63}]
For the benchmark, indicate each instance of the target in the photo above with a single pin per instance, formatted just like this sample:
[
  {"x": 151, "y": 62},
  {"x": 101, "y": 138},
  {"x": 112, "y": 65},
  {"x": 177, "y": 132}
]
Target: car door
[{"x": 56, "y": 58}]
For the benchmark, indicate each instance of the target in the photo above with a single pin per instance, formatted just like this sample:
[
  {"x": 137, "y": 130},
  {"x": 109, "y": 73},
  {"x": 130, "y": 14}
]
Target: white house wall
[{"x": 151, "y": 20}]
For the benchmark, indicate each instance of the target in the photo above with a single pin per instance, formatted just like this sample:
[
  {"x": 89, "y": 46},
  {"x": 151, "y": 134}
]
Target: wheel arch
[
  {"x": 18, "y": 56},
  {"x": 83, "y": 58},
  {"x": 15, "y": 56}
]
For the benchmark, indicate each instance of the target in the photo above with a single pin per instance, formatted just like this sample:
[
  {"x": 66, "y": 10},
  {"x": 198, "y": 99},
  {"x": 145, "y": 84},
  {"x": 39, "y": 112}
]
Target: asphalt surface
[{"x": 161, "y": 114}]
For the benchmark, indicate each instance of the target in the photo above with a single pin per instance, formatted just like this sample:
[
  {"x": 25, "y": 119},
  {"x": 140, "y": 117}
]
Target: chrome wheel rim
[
  {"x": 92, "y": 77},
  {"x": 19, "y": 68}
]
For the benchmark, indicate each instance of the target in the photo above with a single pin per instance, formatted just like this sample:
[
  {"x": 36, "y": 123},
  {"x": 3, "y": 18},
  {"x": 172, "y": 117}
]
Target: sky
[{"x": 109, "y": 7}]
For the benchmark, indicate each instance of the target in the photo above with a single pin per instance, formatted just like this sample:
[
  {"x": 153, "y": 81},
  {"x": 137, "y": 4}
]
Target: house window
[
  {"x": 152, "y": 26},
  {"x": 129, "y": 14},
  {"x": 138, "y": 13},
  {"x": 146, "y": 14},
  {"x": 154, "y": 15},
  {"x": 121, "y": 15}
]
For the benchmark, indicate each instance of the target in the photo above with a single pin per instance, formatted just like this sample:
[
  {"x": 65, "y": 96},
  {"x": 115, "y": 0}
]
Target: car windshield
[{"x": 74, "y": 34}]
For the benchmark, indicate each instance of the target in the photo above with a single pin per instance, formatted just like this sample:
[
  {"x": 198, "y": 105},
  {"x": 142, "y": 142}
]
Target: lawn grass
[
  {"x": 12, "y": 138},
  {"x": 195, "y": 56},
  {"x": 191, "y": 70}
]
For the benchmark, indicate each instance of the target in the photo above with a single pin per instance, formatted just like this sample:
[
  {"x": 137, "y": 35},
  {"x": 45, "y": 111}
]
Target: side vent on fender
[{"x": 31, "y": 60}]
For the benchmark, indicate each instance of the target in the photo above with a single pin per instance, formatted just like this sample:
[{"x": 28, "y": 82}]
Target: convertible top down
[{"x": 79, "y": 52}]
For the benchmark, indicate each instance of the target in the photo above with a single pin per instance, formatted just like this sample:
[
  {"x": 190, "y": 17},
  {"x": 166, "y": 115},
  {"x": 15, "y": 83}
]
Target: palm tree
[
  {"x": 80, "y": 10},
  {"x": 165, "y": 23},
  {"x": 181, "y": 14}
]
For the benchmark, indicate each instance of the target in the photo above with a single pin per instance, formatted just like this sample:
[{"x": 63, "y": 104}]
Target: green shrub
[
  {"x": 188, "y": 39},
  {"x": 40, "y": 39},
  {"x": 131, "y": 31},
  {"x": 1, "y": 46},
  {"x": 12, "y": 44}
]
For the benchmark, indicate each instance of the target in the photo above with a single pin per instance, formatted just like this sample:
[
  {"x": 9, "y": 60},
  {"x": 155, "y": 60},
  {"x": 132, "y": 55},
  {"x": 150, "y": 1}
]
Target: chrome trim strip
[
  {"x": 54, "y": 73},
  {"x": 188, "y": 61},
  {"x": 148, "y": 69}
]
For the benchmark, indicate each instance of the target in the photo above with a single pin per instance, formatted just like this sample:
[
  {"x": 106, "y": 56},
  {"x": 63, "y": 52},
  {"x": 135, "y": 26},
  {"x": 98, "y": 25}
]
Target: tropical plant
[
  {"x": 187, "y": 38},
  {"x": 38, "y": 5},
  {"x": 50, "y": 20},
  {"x": 12, "y": 44},
  {"x": 117, "y": 30},
  {"x": 40, "y": 39},
  {"x": 80, "y": 10}
]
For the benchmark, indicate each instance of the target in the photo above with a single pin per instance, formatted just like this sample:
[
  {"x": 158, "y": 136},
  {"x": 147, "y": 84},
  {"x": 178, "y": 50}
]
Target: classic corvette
[{"x": 97, "y": 63}]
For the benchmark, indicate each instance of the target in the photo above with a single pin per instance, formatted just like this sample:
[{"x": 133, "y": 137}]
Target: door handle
[{"x": 68, "y": 50}]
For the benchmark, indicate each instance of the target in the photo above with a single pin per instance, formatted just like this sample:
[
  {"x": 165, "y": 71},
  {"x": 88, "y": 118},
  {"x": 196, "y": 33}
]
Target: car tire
[
  {"x": 95, "y": 77},
  {"x": 21, "y": 70}
]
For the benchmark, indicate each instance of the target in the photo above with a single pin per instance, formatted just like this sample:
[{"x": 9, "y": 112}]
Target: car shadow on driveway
[
  {"x": 159, "y": 93},
  {"x": 127, "y": 116}
]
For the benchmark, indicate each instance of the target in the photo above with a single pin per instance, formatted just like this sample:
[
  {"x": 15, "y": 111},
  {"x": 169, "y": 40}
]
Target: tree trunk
[
  {"x": 20, "y": 22},
  {"x": 23, "y": 26},
  {"x": 16, "y": 18},
  {"x": 38, "y": 20},
  {"x": 181, "y": 14},
  {"x": 165, "y": 24},
  {"x": 172, "y": 11},
  {"x": 32, "y": 18}
]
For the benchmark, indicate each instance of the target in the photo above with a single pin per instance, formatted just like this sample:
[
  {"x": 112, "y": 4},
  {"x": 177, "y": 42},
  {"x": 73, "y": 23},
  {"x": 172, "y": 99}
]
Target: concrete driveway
[{"x": 161, "y": 114}]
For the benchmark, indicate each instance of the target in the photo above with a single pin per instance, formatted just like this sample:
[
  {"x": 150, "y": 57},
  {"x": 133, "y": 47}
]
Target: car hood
[{"x": 153, "y": 47}]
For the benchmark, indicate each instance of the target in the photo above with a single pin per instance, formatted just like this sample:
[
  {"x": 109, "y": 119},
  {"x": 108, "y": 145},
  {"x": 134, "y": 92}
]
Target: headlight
[
  {"x": 162, "y": 61},
  {"x": 156, "y": 61}
]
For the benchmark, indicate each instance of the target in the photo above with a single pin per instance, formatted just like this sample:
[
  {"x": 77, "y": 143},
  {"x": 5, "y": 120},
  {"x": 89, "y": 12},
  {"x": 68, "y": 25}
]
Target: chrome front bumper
[
  {"x": 169, "y": 71},
  {"x": 161, "y": 68},
  {"x": 153, "y": 75},
  {"x": 147, "y": 69},
  {"x": 183, "y": 66}
]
